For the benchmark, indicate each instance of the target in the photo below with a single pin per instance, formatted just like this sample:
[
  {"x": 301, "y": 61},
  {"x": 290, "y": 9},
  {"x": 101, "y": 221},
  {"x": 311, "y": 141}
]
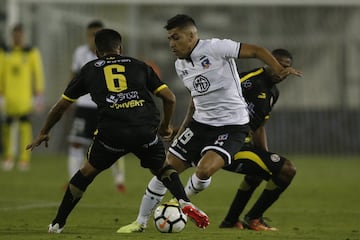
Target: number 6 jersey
[{"x": 121, "y": 87}]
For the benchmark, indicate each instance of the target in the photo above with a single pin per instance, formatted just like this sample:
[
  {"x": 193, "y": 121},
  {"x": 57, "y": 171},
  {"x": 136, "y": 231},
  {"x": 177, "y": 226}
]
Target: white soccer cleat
[{"x": 55, "y": 228}]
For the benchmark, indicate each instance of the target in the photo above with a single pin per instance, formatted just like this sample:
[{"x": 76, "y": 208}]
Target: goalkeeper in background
[{"x": 21, "y": 82}]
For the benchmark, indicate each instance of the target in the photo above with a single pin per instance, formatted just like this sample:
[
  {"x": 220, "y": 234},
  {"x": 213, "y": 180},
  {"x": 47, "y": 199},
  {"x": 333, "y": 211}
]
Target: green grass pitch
[{"x": 322, "y": 203}]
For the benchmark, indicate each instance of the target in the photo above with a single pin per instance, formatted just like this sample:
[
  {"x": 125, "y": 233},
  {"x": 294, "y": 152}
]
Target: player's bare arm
[
  {"x": 53, "y": 117},
  {"x": 260, "y": 138},
  {"x": 169, "y": 102},
  {"x": 189, "y": 113},
  {"x": 254, "y": 51}
]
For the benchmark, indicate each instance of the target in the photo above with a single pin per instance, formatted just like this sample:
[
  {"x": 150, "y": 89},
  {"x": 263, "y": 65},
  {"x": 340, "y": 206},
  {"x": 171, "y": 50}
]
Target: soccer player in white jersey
[
  {"x": 216, "y": 122},
  {"x": 84, "y": 123}
]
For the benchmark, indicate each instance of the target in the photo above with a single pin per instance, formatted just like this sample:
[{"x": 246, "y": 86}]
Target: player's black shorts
[
  {"x": 84, "y": 125},
  {"x": 253, "y": 161},
  {"x": 198, "y": 138},
  {"x": 151, "y": 155}
]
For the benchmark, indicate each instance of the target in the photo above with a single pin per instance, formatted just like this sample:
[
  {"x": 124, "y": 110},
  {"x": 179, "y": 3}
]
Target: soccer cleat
[
  {"x": 23, "y": 166},
  {"x": 237, "y": 224},
  {"x": 7, "y": 165},
  {"x": 131, "y": 228},
  {"x": 55, "y": 228},
  {"x": 196, "y": 215},
  {"x": 257, "y": 224}
]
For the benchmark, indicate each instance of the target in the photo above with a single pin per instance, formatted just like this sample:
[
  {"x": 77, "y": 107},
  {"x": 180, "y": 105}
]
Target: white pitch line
[
  {"x": 52, "y": 204},
  {"x": 29, "y": 206}
]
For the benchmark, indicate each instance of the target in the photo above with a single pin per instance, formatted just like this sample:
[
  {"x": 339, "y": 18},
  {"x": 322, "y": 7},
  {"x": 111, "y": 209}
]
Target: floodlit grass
[{"x": 322, "y": 203}]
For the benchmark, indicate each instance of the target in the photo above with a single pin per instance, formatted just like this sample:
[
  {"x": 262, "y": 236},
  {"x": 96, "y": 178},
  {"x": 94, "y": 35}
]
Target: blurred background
[{"x": 316, "y": 114}]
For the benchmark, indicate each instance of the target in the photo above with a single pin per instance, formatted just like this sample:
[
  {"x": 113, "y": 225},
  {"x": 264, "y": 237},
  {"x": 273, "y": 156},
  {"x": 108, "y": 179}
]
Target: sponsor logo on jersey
[
  {"x": 124, "y": 100},
  {"x": 120, "y": 97},
  {"x": 99, "y": 63},
  {"x": 205, "y": 62},
  {"x": 201, "y": 84}
]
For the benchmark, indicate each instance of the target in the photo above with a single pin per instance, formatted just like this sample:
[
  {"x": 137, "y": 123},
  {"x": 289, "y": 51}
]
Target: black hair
[
  {"x": 180, "y": 20},
  {"x": 282, "y": 52},
  {"x": 95, "y": 24},
  {"x": 107, "y": 40}
]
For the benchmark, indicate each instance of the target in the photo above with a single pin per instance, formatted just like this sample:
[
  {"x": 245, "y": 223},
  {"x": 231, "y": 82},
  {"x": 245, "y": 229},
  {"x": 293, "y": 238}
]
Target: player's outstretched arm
[
  {"x": 254, "y": 51},
  {"x": 53, "y": 117}
]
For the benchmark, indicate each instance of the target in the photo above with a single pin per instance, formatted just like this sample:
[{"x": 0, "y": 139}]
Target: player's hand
[
  {"x": 166, "y": 133},
  {"x": 37, "y": 141},
  {"x": 289, "y": 71}
]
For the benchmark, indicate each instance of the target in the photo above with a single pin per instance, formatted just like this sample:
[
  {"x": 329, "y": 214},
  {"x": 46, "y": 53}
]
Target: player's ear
[
  {"x": 121, "y": 49},
  {"x": 97, "y": 53}
]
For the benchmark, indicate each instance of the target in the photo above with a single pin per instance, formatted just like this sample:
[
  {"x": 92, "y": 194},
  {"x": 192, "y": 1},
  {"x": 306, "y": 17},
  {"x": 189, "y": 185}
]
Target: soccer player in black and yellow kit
[
  {"x": 128, "y": 121},
  {"x": 255, "y": 160},
  {"x": 21, "y": 82}
]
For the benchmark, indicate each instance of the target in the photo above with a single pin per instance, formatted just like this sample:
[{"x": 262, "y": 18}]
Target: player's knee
[
  {"x": 288, "y": 171},
  {"x": 204, "y": 173},
  {"x": 208, "y": 166},
  {"x": 80, "y": 181},
  {"x": 165, "y": 173}
]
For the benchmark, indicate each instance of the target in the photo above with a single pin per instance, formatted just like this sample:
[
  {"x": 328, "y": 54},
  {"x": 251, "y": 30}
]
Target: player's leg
[
  {"x": 25, "y": 134},
  {"x": 219, "y": 145},
  {"x": 80, "y": 181},
  {"x": 118, "y": 172},
  {"x": 242, "y": 197},
  {"x": 274, "y": 188},
  {"x": 170, "y": 178},
  {"x": 76, "y": 156},
  {"x": 9, "y": 144},
  {"x": 152, "y": 197},
  {"x": 80, "y": 136}
]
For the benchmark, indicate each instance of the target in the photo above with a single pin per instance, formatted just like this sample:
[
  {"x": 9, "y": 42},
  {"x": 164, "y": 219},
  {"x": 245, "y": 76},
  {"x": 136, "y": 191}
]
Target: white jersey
[
  {"x": 82, "y": 55},
  {"x": 211, "y": 76}
]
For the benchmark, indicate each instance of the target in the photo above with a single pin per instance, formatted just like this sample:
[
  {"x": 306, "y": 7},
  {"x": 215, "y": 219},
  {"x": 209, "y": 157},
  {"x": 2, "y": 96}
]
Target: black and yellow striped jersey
[
  {"x": 260, "y": 94},
  {"x": 121, "y": 87}
]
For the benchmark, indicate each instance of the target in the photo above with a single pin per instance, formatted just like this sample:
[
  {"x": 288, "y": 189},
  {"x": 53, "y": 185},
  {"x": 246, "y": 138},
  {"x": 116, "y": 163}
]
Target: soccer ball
[{"x": 169, "y": 218}]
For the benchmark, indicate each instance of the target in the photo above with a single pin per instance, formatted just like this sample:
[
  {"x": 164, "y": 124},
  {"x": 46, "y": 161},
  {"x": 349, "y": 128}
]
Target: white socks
[
  {"x": 75, "y": 160},
  {"x": 196, "y": 185},
  {"x": 153, "y": 195},
  {"x": 118, "y": 171},
  {"x": 156, "y": 190}
]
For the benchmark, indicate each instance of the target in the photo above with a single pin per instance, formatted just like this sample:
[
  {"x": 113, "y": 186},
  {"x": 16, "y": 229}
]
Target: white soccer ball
[{"x": 169, "y": 218}]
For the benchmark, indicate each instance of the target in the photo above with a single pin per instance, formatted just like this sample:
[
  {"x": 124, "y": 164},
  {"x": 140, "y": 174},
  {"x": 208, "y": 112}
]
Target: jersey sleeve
[
  {"x": 225, "y": 48},
  {"x": 154, "y": 84},
  {"x": 76, "y": 88}
]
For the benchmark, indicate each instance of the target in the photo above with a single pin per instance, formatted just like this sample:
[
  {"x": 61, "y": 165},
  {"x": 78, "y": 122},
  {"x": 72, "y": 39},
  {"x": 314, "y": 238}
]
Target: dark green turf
[{"x": 322, "y": 203}]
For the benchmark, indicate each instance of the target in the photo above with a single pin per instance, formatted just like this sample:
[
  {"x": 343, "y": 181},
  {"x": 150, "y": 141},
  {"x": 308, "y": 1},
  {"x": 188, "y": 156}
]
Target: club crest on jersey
[
  {"x": 205, "y": 62},
  {"x": 221, "y": 138},
  {"x": 201, "y": 84},
  {"x": 275, "y": 158},
  {"x": 99, "y": 63}
]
